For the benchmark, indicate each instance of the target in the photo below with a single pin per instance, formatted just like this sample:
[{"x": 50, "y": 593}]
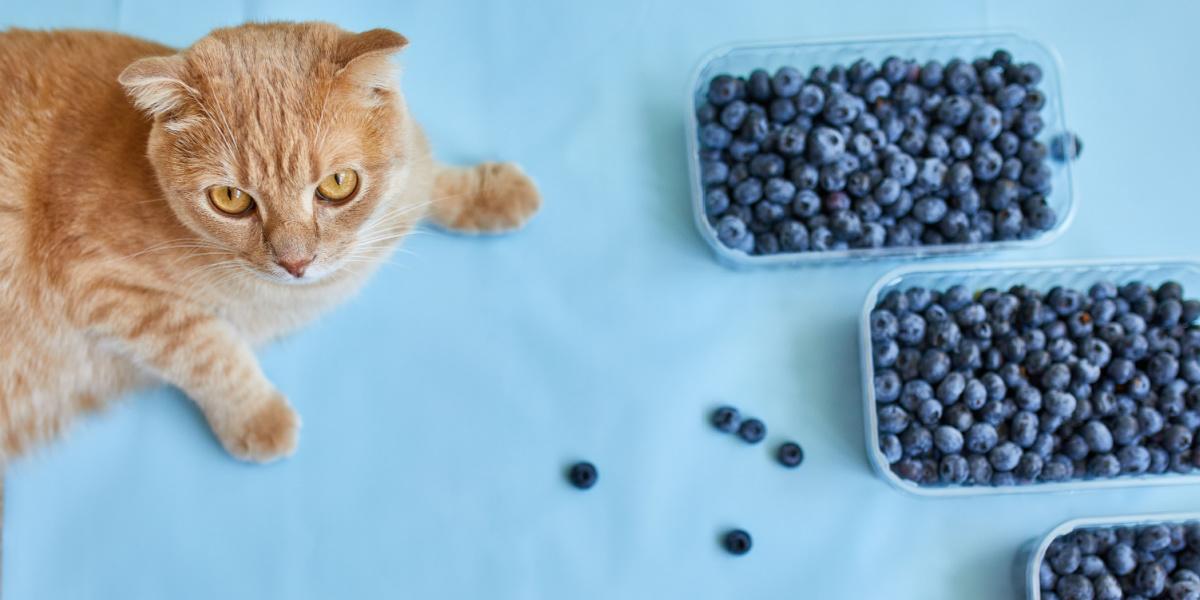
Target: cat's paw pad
[
  {"x": 267, "y": 434},
  {"x": 500, "y": 197}
]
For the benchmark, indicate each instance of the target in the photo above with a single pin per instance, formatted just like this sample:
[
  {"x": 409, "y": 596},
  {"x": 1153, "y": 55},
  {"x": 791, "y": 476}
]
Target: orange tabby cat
[{"x": 162, "y": 213}]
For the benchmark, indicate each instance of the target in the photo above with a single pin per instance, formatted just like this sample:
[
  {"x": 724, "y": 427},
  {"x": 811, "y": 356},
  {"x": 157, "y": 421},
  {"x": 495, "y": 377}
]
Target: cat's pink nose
[{"x": 295, "y": 266}]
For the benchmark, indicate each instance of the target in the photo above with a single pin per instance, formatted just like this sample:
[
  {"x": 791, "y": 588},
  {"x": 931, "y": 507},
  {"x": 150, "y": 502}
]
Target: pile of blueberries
[
  {"x": 869, "y": 156},
  {"x": 1018, "y": 386},
  {"x": 1111, "y": 563}
]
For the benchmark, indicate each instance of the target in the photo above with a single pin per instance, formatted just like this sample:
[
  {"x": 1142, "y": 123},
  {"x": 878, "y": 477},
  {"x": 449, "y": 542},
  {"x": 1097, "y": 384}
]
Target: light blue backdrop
[{"x": 440, "y": 406}]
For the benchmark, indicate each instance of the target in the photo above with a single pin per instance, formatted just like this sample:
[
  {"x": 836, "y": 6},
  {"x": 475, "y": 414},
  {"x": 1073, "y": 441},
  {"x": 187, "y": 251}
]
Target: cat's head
[{"x": 282, "y": 142}]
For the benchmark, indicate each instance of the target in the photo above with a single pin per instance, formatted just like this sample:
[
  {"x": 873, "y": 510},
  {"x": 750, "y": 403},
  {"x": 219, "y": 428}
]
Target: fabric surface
[{"x": 441, "y": 406}]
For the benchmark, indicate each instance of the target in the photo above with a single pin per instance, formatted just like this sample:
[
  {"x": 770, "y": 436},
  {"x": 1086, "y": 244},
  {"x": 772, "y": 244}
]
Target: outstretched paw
[
  {"x": 486, "y": 198},
  {"x": 268, "y": 433}
]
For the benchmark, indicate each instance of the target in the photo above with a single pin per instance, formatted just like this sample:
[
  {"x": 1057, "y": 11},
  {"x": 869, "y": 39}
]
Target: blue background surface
[{"x": 441, "y": 405}]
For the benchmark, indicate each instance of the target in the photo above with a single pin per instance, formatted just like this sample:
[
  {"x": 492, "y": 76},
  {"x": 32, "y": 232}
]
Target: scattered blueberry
[
  {"x": 737, "y": 542},
  {"x": 582, "y": 475},
  {"x": 752, "y": 431},
  {"x": 726, "y": 419},
  {"x": 790, "y": 454}
]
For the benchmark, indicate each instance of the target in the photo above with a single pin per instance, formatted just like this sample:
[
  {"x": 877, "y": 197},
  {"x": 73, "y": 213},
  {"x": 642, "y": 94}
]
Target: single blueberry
[
  {"x": 737, "y": 542},
  {"x": 582, "y": 475},
  {"x": 752, "y": 431},
  {"x": 787, "y": 82},
  {"x": 981, "y": 438},
  {"x": 790, "y": 455},
  {"x": 722, "y": 90}
]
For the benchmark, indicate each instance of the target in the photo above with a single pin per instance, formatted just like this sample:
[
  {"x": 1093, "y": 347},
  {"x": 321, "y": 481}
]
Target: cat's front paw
[
  {"x": 266, "y": 433},
  {"x": 486, "y": 198}
]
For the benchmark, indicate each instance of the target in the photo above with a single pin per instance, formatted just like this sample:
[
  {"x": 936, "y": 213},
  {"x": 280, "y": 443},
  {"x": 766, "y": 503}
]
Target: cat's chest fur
[{"x": 265, "y": 311}]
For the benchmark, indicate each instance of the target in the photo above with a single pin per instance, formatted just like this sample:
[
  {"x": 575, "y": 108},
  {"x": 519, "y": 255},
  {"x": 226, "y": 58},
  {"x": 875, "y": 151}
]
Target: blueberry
[
  {"x": 755, "y": 128},
  {"x": 1121, "y": 559},
  {"x": 722, "y": 90},
  {"x": 974, "y": 394},
  {"x": 715, "y": 136},
  {"x": 986, "y": 164},
  {"x": 1023, "y": 430},
  {"x": 716, "y": 201},
  {"x": 1028, "y": 397},
  {"x": 1029, "y": 125},
  {"x": 846, "y": 225},
  {"x": 769, "y": 213},
  {"x": 981, "y": 438},
  {"x": 1058, "y": 468},
  {"x": 734, "y": 114},
  {"x": 985, "y": 123},
  {"x": 931, "y": 74},
  {"x": 779, "y": 191},
  {"x": 890, "y": 445},
  {"x": 781, "y": 110},
  {"x": 1075, "y": 587},
  {"x": 766, "y": 243},
  {"x": 961, "y": 147},
  {"x": 1162, "y": 368},
  {"x": 810, "y": 100},
  {"x": 1064, "y": 557},
  {"x": 1176, "y": 438},
  {"x": 953, "y": 469},
  {"x": 806, "y": 204},
  {"x": 1028, "y": 74},
  {"x": 790, "y": 455},
  {"x": 1059, "y": 403},
  {"x": 1107, "y": 587},
  {"x": 758, "y": 85},
  {"x": 841, "y": 109},
  {"x": 948, "y": 440},
  {"x": 732, "y": 232},
  {"x": 1153, "y": 538},
  {"x": 725, "y": 418},
  {"x": 930, "y": 209},
  {"x": 582, "y": 475},
  {"x": 748, "y": 192},
  {"x": 1057, "y": 377},
  {"x": 714, "y": 172},
  {"x": 825, "y": 145},
  {"x": 960, "y": 77},
  {"x": 902, "y": 168},
  {"x": 793, "y": 236},
  {"x": 1029, "y": 467},
  {"x": 752, "y": 431},
  {"x": 1005, "y": 456},
  {"x": 910, "y": 469},
  {"x": 1098, "y": 436},
  {"x": 737, "y": 542},
  {"x": 766, "y": 166},
  {"x": 787, "y": 82},
  {"x": 1103, "y": 466},
  {"x": 1150, "y": 579}
]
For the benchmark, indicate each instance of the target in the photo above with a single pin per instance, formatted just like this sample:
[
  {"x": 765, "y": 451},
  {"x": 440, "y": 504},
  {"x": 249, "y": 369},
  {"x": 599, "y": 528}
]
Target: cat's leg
[
  {"x": 485, "y": 198},
  {"x": 202, "y": 355}
]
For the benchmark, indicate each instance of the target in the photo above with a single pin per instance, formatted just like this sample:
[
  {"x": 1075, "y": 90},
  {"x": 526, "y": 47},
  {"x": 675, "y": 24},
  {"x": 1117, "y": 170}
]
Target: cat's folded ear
[
  {"x": 362, "y": 58},
  {"x": 156, "y": 84},
  {"x": 376, "y": 43}
]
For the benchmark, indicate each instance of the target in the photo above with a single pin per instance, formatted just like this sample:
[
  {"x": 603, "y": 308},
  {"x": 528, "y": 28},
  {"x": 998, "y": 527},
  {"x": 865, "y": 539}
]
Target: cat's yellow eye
[
  {"x": 339, "y": 186},
  {"x": 230, "y": 200}
]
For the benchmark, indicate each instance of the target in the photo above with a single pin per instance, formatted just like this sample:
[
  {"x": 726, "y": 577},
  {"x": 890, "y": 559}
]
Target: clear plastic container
[
  {"x": 1040, "y": 275},
  {"x": 741, "y": 59},
  {"x": 1030, "y": 557}
]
